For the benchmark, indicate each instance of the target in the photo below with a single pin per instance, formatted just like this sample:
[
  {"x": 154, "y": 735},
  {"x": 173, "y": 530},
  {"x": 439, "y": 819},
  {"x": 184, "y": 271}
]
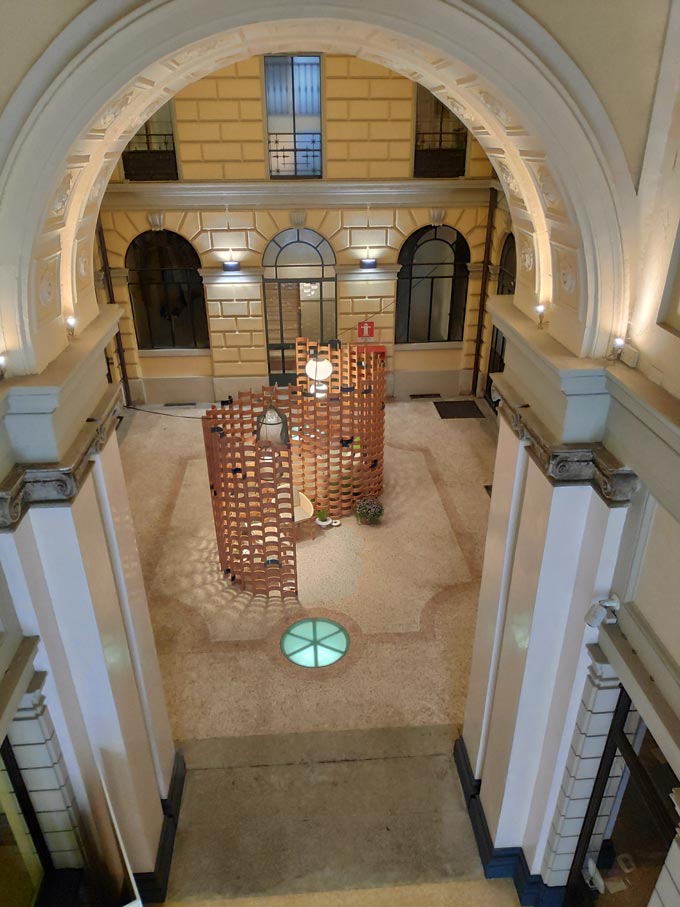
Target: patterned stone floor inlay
[
  {"x": 315, "y": 643},
  {"x": 405, "y": 590}
]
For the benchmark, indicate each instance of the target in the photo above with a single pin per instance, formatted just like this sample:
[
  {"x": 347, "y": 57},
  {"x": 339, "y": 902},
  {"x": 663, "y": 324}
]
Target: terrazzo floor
[
  {"x": 331, "y": 787},
  {"x": 405, "y": 590}
]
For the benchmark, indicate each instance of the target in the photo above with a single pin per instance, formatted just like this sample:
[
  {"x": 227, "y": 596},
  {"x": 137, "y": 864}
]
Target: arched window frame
[
  {"x": 152, "y": 288},
  {"x": 407, "y": 282},
  {"x": 316, "y": 265},
  {"x": 507, "y": 267}
]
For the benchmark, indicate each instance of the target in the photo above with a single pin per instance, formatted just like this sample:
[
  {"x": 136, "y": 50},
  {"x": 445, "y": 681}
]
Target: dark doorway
[{"x": 630, "y": 820}]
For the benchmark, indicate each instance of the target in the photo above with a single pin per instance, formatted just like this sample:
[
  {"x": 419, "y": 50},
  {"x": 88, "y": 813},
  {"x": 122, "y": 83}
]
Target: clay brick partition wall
[
  {"x": 252, "y": 496},
  {"x": 339, "y": 446},
  {"x": 335, "y": 456}
]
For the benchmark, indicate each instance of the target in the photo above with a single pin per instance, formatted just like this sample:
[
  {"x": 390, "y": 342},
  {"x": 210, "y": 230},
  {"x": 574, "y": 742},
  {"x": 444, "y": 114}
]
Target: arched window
[
  {"x": 166, "y": 290},
  {"x": 432, "y": 286},
  {"x": 299, "y": 295},
  {"x": 507, "y": 269}
]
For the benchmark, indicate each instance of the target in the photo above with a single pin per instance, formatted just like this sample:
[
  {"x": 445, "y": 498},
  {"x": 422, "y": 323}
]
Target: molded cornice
[
  {"x": 60, "y": 482},
  {"x": 578, "y": 464},
  {"x": 416, "y": 193}
]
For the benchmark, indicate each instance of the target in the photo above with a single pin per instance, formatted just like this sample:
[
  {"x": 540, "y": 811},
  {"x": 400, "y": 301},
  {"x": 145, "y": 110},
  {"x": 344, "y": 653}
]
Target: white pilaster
[
  {"x": 506, "y": 502},
  {"x": 32, "y": 601},
  {"x": 80, "y": 579},
  {"x": 127, "y": 570},
  {"x": 564, "y": 556}
]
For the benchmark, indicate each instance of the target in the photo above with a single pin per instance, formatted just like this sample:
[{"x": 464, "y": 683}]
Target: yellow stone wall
[
  {"x": 220, "y": 128},
  {"x": 368, "y": 117},
  {"x": 369, "y": 113},
  {"x": 234, "y": 303}
]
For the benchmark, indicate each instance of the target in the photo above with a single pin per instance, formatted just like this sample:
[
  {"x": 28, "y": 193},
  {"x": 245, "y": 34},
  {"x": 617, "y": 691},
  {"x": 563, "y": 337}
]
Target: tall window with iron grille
[{"x": 293, "y": 92}]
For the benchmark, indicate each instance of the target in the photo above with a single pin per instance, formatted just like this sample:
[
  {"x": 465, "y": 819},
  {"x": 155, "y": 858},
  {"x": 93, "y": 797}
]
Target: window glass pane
[
  {"x": 278, "y": 78},
  {"x": 298, "y": 253},
  {"x": 293, "y": 94},
  {"x": 441, "y": 304},
  {"x": 166, "y": 291},
  {"x": 290, "y": 311},
  {"x": 440, "y": 139},
  {"x": 330, "y": 329},
  {"x": 434, "y": 251},
  {"x": 627, "y": 849},
  {"x": 271, "y": 304},
  {"x": 307, "y": 79},
  {"x": 420, "y": 310},
  {"x": 310, "y": 309},
  {"x": 401, "y": 326}
]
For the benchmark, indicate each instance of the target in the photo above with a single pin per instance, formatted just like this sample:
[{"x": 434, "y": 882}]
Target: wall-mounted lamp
[
  {"x": 368, "y": 263},
  {"x": 603, "y": 611},
  {"x": 231, "y": 266},
  {"x": 540, "y": 311},
  {"x": 3, "y": 365},
  {"x": 618, "y": 344},
  {"x": 71, "y": 323}
]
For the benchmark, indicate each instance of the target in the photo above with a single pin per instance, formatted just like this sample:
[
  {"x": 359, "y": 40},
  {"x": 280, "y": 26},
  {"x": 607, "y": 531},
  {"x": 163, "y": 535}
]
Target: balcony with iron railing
[
  {"x": 439, "y": 153},
  {"x": 150, "y": 156},
  {"x": 294, "y": 155}
]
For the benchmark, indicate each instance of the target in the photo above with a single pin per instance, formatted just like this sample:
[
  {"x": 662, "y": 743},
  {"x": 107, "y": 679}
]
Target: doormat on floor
[{"x": 458, "y": 409}]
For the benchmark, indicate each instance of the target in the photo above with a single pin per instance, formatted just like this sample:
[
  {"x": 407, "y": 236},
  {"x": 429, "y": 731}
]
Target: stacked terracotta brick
[{"x": 335, "y": 457}]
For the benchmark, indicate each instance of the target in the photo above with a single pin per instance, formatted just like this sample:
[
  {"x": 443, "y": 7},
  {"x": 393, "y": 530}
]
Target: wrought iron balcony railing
[{"x": 294, "y": 155}]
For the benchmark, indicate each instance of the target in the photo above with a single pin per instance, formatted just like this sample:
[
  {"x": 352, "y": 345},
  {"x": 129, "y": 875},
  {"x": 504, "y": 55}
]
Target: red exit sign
[{"x": 366, "y": 329}]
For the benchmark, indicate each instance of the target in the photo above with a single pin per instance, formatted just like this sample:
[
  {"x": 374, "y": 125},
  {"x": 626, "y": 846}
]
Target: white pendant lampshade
[{"x": 319, "y": 369}]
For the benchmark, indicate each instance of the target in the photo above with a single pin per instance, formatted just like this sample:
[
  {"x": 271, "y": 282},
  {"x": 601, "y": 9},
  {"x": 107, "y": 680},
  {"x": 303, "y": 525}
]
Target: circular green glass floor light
[{"x": 315, "y": 642}]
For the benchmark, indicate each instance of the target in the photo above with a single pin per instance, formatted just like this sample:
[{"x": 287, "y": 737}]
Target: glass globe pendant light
[{"x": 272, "y": 426}]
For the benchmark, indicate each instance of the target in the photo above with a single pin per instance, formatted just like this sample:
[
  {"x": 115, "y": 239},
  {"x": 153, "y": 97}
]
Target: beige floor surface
[
  {"x": 479, "y": 893},
  {"x": 405, "y": 590},
  {"x": 379, "y": 723}
]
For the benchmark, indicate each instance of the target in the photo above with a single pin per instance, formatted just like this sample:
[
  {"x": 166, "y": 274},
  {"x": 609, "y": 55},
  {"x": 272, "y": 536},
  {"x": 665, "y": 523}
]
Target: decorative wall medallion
[
  {"x": 60, "y": 200},
  {"x": 566, "y": 272},
  {"x": 48, "y": 282},
  {"x": 526, "y": 253},
  {"x": 508, "y": 178},
  {"x": 548, "y": 188},
  {"x": 495, "y": 107},
  {"x": 114, "y": 109}
]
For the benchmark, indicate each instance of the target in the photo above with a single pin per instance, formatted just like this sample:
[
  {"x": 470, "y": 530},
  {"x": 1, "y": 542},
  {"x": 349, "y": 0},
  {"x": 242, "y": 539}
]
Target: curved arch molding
[{"x": 548, "y": 137}]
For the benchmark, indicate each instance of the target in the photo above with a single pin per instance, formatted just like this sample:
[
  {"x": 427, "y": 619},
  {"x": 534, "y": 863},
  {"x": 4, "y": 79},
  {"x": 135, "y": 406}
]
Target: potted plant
[
  {"x": 322, "y": 517},
  {"x": 368, "y": 510}
]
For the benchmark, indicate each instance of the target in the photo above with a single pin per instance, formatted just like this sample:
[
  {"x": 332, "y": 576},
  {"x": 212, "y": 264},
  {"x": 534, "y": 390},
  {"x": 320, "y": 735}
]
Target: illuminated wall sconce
[
  {"x": 368, "y": 263},
  {"x": 71, "y": 323},
  {"x": 231, "y": 266},
  {"x": 540, "y": 311},
  {"x": 3, "y": 366},
  {"x": 618, "y": 346}
]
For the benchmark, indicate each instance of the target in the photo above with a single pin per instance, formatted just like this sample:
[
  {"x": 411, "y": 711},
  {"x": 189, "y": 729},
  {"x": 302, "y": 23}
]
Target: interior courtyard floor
[
  {"x": 405, "y": 590},
  {"x": 335, "y": 786}
]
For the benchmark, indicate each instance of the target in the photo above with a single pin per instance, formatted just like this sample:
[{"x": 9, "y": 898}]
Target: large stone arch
[{"x": 539, "y": 121}]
